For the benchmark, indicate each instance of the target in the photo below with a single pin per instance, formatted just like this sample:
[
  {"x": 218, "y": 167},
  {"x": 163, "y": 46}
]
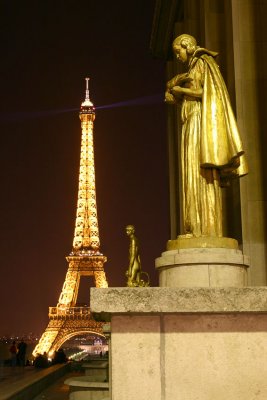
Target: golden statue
[
  {"x": 134, "y": 271},
  {"x": 211, "y": 148}
]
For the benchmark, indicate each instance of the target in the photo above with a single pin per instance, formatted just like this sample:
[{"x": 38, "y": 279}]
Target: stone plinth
[
  {"x": 202, "y": 267},
  {"x": 202, "y": 262},
  {"x": 186, "y": 343}
]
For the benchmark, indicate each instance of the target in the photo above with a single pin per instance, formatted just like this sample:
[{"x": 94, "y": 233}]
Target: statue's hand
[{"x": 169, "y": 98}]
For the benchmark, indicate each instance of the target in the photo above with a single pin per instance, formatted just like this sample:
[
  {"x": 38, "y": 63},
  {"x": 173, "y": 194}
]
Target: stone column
[{"x": 250, "y": 58}]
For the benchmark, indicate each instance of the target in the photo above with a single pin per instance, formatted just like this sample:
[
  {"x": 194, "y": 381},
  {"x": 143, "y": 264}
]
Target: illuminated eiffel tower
[{"x": 67, "y": 319}]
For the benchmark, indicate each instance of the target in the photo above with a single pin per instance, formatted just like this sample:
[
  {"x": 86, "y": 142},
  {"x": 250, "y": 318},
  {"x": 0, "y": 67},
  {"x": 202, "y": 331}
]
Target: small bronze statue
[{"x": 134, "y": 271}]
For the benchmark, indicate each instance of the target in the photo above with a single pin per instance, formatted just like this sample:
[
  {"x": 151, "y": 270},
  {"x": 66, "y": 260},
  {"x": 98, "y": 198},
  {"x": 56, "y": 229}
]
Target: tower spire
[
  {"x": 86, "y": 235},
  {"x": 87, "y": 105}
]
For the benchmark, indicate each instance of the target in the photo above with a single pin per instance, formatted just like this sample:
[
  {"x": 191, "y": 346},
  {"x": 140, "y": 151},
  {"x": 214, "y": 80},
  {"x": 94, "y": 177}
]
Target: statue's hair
[
  {"x": 130, "y": 227},
  {"x": 188, "y": 42}
]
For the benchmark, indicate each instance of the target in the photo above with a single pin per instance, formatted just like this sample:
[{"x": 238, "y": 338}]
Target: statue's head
[
  {"x": 184, "y": 46},
  {"x": 129, "y": 229}
]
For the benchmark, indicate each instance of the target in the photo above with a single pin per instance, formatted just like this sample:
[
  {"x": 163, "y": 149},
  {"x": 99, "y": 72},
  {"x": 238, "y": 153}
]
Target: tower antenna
[{"x": 87, "y": 97}]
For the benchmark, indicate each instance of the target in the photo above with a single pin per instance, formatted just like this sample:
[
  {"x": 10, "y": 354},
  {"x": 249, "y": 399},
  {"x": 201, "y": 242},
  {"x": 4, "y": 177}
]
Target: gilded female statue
[{"x": 211, "y": 148}]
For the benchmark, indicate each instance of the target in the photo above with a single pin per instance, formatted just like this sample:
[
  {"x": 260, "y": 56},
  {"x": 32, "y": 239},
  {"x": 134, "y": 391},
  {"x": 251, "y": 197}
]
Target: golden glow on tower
[
  {"x": 67, "y": 318},
  {"x": 86, "y": 235}
]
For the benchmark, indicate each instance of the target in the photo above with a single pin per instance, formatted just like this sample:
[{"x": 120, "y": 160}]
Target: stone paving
[
  {"x": 13, "y": 375},
  {"x": 10, "y": 377},
  {"x": 58, "y": 390}
]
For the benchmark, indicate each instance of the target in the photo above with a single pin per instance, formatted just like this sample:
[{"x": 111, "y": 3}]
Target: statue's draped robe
[{"x": 211, "y": 149}]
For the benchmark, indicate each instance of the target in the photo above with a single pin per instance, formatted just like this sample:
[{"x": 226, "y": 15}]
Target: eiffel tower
[{"x": 67, "y": 319}]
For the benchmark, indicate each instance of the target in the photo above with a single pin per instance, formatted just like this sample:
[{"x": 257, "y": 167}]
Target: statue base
[
  {"x": 189, "y": 241},
  {"x": 202, "y": 262}
]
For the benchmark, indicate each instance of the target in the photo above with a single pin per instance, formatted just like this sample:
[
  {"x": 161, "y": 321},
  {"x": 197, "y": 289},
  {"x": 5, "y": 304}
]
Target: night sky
[{"x": 48, "y": 48}]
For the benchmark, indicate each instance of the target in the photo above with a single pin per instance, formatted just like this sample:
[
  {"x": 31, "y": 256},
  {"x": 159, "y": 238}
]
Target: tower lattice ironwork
[{"x": 67, "y": 319}]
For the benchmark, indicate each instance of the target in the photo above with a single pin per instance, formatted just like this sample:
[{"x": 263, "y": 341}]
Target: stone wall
[{"x": 187, "y": 343}]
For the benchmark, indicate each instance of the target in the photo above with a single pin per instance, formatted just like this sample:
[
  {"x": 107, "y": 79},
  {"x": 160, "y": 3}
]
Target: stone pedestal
[
  {"x": 207, "y": 267},
  {"x": 186, "y": 343},
  {"x": 202, "y": 262}
]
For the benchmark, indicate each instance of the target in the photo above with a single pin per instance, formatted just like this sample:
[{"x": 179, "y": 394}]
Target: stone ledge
[
  {"x": 105, "y": 302},
  {"x": 102, "y": 365},
  {"x": 85, "y": 381}
]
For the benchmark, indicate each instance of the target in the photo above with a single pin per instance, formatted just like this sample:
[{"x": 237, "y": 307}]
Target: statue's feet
[
  {"x": 131, "y": 283},
  {"x": 186, "y": 236}
]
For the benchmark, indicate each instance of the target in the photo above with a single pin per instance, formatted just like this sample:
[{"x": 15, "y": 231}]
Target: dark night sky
[{"x": 48, "y": 48}]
